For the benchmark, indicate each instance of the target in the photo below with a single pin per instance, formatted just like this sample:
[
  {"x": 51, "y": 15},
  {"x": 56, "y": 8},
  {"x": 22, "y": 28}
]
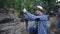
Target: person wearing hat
[
  {"x": 57, "y": 12},
  {"x": 40, "y": 20}
]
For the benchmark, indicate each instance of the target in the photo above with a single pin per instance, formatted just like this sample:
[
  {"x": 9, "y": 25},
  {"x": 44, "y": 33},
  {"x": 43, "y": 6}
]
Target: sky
[{"x": 58, "y": 0}]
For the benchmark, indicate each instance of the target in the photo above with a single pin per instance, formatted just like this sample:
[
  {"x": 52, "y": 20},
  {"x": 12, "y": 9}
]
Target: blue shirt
[{"x": 41, "y": 23}]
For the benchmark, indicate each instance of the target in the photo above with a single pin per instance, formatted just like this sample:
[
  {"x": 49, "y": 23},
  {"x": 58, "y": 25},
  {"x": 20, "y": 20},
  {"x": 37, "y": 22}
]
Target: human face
[{"x": 37, "y": 12}]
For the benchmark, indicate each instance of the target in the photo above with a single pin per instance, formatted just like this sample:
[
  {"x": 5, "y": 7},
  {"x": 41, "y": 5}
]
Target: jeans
[
  {"x": 32, "y": 30},
  {"x": 58, "y": 26}
]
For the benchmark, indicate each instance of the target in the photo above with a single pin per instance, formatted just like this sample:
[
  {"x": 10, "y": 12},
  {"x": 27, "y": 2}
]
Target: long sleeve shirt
[{"x": 41, "y": 22}]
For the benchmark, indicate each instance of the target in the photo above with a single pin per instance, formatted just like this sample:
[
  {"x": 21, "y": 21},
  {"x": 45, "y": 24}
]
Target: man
[
  {"x": 40, "y": 21},
  {"x": 57, "y": 11}
]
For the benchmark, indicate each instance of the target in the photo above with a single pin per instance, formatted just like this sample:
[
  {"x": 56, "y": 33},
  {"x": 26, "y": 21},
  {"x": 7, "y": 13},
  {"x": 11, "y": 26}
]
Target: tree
[{"x": 48, "y": 5}]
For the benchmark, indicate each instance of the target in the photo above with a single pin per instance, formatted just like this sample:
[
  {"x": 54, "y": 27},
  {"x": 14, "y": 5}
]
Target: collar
[{"x": 41, "y": 14}]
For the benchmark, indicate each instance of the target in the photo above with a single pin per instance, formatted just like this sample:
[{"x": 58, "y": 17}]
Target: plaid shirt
[{"x": 41, "y": 23}]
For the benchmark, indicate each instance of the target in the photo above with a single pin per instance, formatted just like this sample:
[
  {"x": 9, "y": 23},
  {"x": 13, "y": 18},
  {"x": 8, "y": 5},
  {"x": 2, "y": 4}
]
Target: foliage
[{"x": 28, "y": 4}]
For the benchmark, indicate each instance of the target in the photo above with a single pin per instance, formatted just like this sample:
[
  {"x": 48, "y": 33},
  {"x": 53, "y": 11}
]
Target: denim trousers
[{"x": 32, "y": 30}]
